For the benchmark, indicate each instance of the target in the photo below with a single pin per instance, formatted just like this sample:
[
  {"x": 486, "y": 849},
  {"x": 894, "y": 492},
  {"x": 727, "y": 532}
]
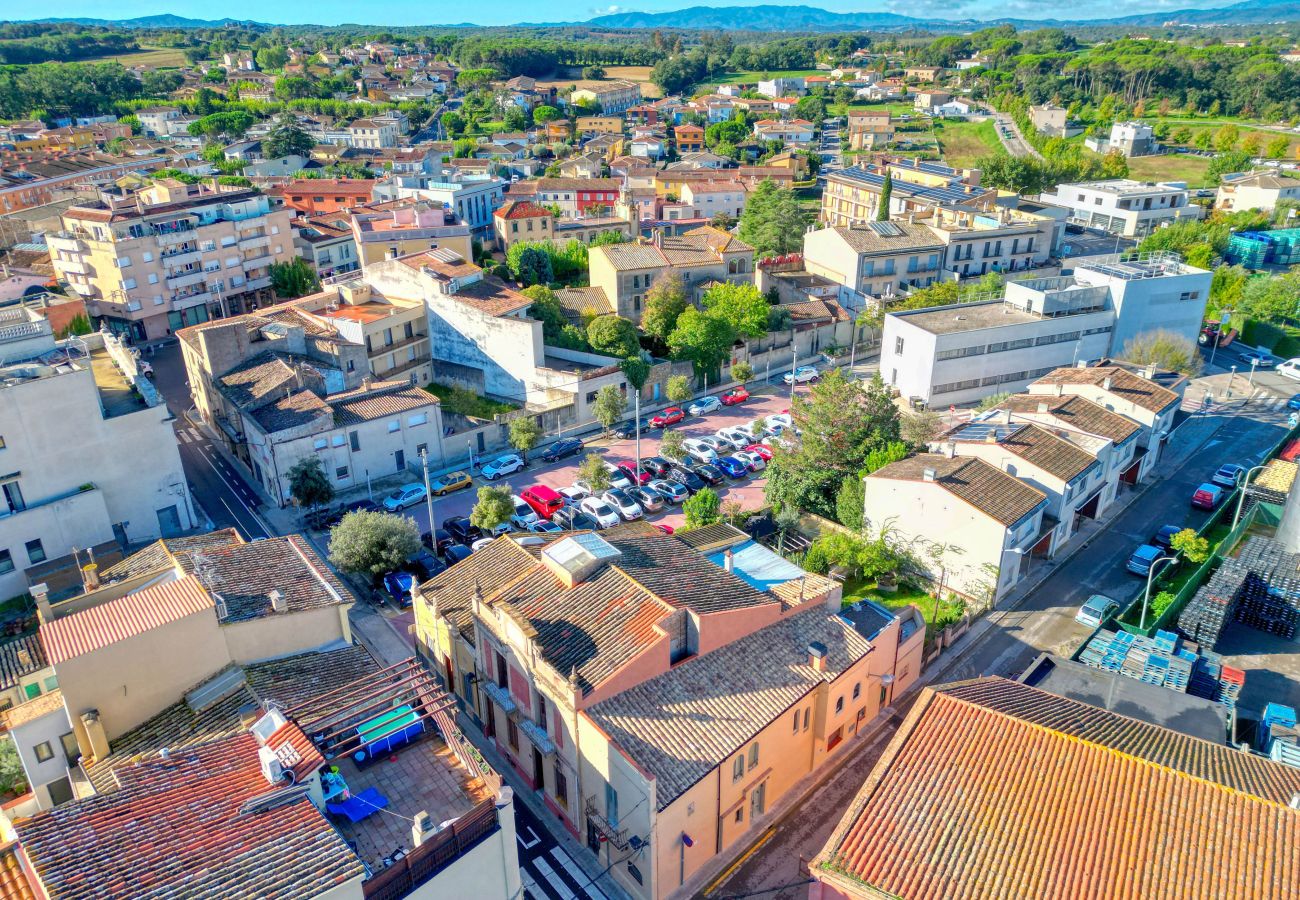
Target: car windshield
[{"x": 600, "y": 508}]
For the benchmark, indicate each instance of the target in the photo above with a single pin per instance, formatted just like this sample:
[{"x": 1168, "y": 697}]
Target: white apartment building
[
  {"x": 875, "y": 258},
  {"x": 998, "y": 240},
  {"x": 1256, "y": 190},
  {"x": 90, "y": 462},
  {"x": 171, "y": 255},
  {"x": 781, "y": 87},
  {"x": 472, "y": 197},
  {"x": 1124, "y": 206}
]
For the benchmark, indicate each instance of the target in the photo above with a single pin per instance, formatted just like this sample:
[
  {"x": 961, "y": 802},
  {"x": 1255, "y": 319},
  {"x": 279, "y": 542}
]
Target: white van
[{"x": 1290, "y": 368}]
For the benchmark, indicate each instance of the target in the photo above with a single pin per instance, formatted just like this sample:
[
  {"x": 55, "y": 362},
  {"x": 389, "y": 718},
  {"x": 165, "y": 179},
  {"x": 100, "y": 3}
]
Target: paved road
[
  {"x": 1015, "y": 143},
  {"x": 547, "y": 870},
  {"x": 218, "y": 488}
]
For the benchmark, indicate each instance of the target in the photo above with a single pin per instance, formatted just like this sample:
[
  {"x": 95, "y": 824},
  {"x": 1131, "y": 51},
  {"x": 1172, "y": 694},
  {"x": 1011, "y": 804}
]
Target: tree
[
  {"x": 672, "y": 444},
  {"x": 494, "y": 507},
  {"x": 13, "y": 780},
  {"x": 524, "y": 434},
  {"x": 287, "y": 139},
  {"x": 842, "y": 422},
  {"x": 849, "y": 502},
  {"x": 1250, "y": 144},
  {"x": 1114, "y": 165},
  {"x": 664, "y": 302},
  {"x": 772, "y": 221},
  {"x": 636, "y": 370},
  {"x": 883, "y": 456},
  {"x": 593, "y": 73},
  {"x": 1228, "y": 164},
  {"x": 704, "y": 339},
  {"x": 613, "y": 335},
  {"x": 308, "y": 483},
  {"x": 886, "y": 193},
  {"x": 515, "y": 118},
  {"x": 1193, "y": 547},
  {"x": 592, "y": 470},
  {"x": 372, "y": 543},
  {"x": 609, "y": 407},
  {"x": 1165, "y": 349},
  {"x": 453, "y": 123},
  {"x": 920, "y": 427},
  {"x": 678, "y": 389},
  {"x": 702, "y": 508},
  {"x": 544, "y": 114},
  {"x": 269, "y": 58},
  {"x": 742, "y": 371},
  {"x": 1277, "y": 147},
  {"x": 1273, "y": 298},
  {"x": 531, "y": 264},
  {"x": 742, "y": 306},
  {"x": 295, "y": 278},
  {"x": 1204, "y": 140},
  {"x": 1225, "y": 138}
]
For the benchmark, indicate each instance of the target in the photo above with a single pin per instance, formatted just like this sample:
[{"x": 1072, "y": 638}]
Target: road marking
[
  {"x": 740, "y": 861},
  {"x": 266, "y": 530},
  {"x": 553, "y": 879},
  {"x": 528, "y": 845},
  {"x": 579, "y": 876},
  {"x": 531, "y": 887}
]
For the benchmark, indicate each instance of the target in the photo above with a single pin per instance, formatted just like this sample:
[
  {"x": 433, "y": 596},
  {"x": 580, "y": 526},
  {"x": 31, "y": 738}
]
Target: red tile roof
[
  {"x": 521, "y": 209},
  {"x": 13, "y": 880},
  {"x": 186, "y": 826},
  {"x": 993, "y": 789},
  {"x": 116, "y": 620}
]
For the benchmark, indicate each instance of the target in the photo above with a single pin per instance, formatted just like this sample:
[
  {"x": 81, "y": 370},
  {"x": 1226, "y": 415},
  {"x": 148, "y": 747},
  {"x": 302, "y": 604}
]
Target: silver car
[{"x": 623, "y": 503}]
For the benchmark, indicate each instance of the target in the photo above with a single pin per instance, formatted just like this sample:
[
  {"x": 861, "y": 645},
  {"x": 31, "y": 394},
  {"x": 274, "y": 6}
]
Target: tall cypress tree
[{"x": 886, "y": 188}]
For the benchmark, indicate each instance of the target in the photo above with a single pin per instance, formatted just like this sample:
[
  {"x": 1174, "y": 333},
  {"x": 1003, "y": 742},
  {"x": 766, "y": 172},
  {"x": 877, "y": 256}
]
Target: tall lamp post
[
  {"x": 1146, "y": 596},
  {"x": 1241, "y": 497},
  {"x": 428, "y": 498}
]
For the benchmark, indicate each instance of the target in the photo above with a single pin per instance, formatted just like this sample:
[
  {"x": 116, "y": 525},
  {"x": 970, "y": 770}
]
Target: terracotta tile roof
[
  {"x": 993, "y": 789},
  {"x": 1076, "y": 413},
  {"x": 99, "y": 626},
  {"x": 13, "y": 880},
  {"x": 632, "y": 256},
  {"x": 367, "y": 406},
  {"x": 580, "y": 301},
  {"x": 33, "y": 709},
  {"x": 178, "y": 828},
  {"x": 817, "y": 310},
  {"x": 1035, "y": 445},
  {"x": 719, "y": 240},
  {"x": 577, "y": 184},
  {"x": 245, "y": 574},
  {"x": 681, "y": 725},
  {"x": 521, "y": 209},
  {"x": 493, "y": 297},
  {"x": 1122, "y": 383},
  {"x": 302, "y": 407},
  {"x": 440, "y": 263},
  {"x": 262, "y": 376},
  {"x": 905, "y": 236},
  {"x": 1000, "y": 496},
  {"x": 20, "y": 657}
]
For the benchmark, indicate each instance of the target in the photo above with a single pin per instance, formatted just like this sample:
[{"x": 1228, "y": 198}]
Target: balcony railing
[
  {"x": 424, "y": 862},
  {"x": 86, "y": 488}
]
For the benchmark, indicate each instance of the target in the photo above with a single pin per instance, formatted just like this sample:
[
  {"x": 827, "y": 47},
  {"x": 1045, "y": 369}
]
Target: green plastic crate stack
[
  {"x": 1285, "y": 246},
  {"x": 1249, "y": 249}
]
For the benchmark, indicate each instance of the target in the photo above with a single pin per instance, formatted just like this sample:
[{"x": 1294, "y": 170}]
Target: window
[
  {"x": 44, "y": 752},
  {"x": 319, "y": 444},
  {"x": 6, "y": 562},
  {"x": 561, "y": 788},
  {"x": 740, "y": 814},
  {"x": 738, "y": 768},
  {"x": 611, "y": 804},
  {"x": 796, "y": 722},
  {"x": 337, "y": 440},
  {"x": 32, "y": 690},
  {"x": 839, "y": 705},
  {"x": 153, "y": 277},
  {"x": 146, "y": 256},
  {"x": 806, "y": 712},
  {"x": 51, "y": 683},
  {"x": 394, "y": 425},
  {"x": 355, "y": 439},
  {"x": 341, "y": 472},
  {"x": 123, "y": 262},
  {"x": 857, "y": 691},
  {"x": 35, "y": 552},
  {"x": 417, "y": 419},
  {"x": 753, "y": 755},
  {"x": 129, "y": 283},
  {"x": 512, "y": 734},
  {"x": 898, "y": 345}
]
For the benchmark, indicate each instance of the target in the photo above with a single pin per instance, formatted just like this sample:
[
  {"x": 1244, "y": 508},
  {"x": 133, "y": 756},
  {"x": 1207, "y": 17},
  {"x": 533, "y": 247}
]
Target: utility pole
[
  {"x": 794, "y": 363},
  {"x": 428, "y": 497},
  {"x": 636, "y": 414}
]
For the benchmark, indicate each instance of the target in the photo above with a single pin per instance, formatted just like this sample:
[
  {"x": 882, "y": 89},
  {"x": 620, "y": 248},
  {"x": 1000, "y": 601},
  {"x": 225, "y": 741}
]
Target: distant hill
[
  {"x": 163, "y": 20},
  {"x": 1250, "y": 12},
  {"x": 757, "y": 18}
]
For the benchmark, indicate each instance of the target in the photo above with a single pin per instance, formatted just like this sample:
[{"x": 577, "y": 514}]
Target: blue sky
[{"x": 505, "y": 12}]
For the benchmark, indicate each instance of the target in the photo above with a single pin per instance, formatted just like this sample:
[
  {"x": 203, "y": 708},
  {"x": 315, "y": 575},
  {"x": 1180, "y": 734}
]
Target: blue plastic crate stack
[
  {"x": 1278, "y": 735},
  {"x": 1166, "y": 660}
]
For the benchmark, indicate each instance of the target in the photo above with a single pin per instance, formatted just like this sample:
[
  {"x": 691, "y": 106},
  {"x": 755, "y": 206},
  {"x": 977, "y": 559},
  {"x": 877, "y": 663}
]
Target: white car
[
  {"x": 601, "y": 511},
  {"x": 717, "y": 444},
  {"x": 700, "y": 450},
  {"x": 704, "y": 405},
  {"x": 737, "y": 435},
  {"x": 574, "y": 493},
  {"x": 524, "y": 515},
  {"x": 503, "y": 465},
  {"x": 623, "y": 504},
  {"x": 1290, "y": 369},
  {"x": 785, "y": 420},
  {"x": 617, "y": 479},
  {"x": 801, "y": 375},
  {"x": 755, "y": 462}
]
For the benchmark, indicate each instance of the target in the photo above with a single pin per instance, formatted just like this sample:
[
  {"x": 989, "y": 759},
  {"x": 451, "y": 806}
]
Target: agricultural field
[
  {"x": 963, "y": 142},
  {"x": 156, "y": 57},
  {"x": 1171, "y": 167},
  {"x": 753, "y": 77},
  {"x": 639, "y": 74}
]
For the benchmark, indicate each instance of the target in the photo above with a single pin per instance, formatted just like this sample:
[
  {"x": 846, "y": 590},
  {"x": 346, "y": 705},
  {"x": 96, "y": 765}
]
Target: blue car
[
  {"x": 1294, "y": 402},
  {"x": 398, "y": 586},
  {"x": 732, "y": 467},
  {"x": 560, "y": 449}
]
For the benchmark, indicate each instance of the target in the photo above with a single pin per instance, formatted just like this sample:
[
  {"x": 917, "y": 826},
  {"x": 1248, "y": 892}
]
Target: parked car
[
  {"x": 1095, "y": 610},
  {"x": 544, "y": 526},
  {"x": 784, "y": 419},
  {"x": 699, "y": 450},
  {"x": 424, "y": 565},
  {"x": 670, "y": 416},
  {"x": 561, "y": 449},
  {"x": 709, "y": 474},
  {"x": 464, "y": 531},
  {"x": 1139, "y": 563},
  {"x": 750, "y": 458},
  {"x": 1294, "y": 402},
  {"x": 617, "y": 477},
  {"x": 1208, "y": 496},
  {"x": 801, "y": 375},
  {"x": 666, "y": 529},
  {"x": 704, "y": 405},
  {"x": 439, "y": 541},
  {"x": 627, "y": 430},
  {"x": 502, "y": 466},
  {"x": 574, "y": 494},
  {"x": 686, "y": 477},
  {"x": 398, "y": 586},
  {"x": 733, "y": 468},
  {"x": 573, "y": 518},
  {"x": 1290, "y": 369},
  {"x": 719, "y": 445},
  {"x": 1228, "y": 475},
  {"x": 404, "y": 496},
  {"x": 1257, "y": 358},
  {"x": 734, "y": 396},
  {"x": 1165, "y": 536},
  {"x": 355, "y": 506},
  {"x": 623, "y": 504},
  {"x": 450, "y": 483},
  {"x": 629, "y": 468},
  {"x": 671, "y": 491},
  {"x": 739, "y": 437},
  {"x": 650, "y": 500},
  {"x": 456, "y": 553},
  {"x": 481, "y": 543},
  {"x": 762, "y": 450},
  {"x": 542, "y": 499},
  {"x": 604, "y": 514},
  {"x": 524, "y": 514},
  {"x": 656, "y": 466}
]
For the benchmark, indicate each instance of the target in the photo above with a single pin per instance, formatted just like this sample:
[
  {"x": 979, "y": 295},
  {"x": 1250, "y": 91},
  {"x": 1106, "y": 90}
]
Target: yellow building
[
  {"x": 401, "y": 227},
  {"x": 600, "y": 124}
]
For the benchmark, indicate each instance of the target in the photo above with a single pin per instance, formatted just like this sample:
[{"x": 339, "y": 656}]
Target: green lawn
[
  {"x": 160, "y": 57},
  {"x": 964, "y": 142},
  {"x": 753, "y": 77},
  {"x": 906, "y": 595},
  {"x": 895, "y": 109},
  {"x": 1171, "y": 167},
  {"x": 467, "y": 403}
]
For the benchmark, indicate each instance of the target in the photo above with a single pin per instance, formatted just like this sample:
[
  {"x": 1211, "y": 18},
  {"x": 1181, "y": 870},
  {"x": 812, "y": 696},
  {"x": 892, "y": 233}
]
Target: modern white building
[
  {"x": 1129, "y": 138},
  {"x": 1124, "y": 206},
  {"x": 1256, "y": 190},
  {"x": 472, "y": 197}
]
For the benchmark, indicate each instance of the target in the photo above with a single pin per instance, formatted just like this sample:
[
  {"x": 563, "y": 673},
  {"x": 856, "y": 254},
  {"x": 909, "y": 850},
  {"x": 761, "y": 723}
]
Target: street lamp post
[
  {"x": 428, "y": 498},
  {"x": 1251, "y": 380},
  {"x": 1232, "y": 376},
  {"x": 1241, "y": 497},
  {"x": 1146, "y": 596}
]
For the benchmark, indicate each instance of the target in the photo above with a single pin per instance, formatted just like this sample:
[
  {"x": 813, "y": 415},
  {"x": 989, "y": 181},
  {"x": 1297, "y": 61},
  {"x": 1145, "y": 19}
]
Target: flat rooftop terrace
[
  {"x": 116, "y": 394},
  {"x": 966, "y": 317}
]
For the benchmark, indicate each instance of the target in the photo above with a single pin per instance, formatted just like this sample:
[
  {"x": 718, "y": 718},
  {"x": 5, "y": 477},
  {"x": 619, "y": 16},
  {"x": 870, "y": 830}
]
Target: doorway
[{"x": 539, "y": 771}]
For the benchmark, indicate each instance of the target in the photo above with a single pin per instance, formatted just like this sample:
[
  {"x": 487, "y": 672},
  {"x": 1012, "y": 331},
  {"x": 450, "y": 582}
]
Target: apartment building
[
  {"x": 327, "y": 243},
  {"x": 875, "y": 258},
  {"x": 171, "y": 255},
  {"x": 711, "y": 198},
  {"x": 981, "y": 523},
  {"x": 781, "y": 87},
  {"x": 1113, "y": 438},
  {"x": 599, "y": 124},
  {"x": 1124, "y": 206},
  {"x": 90, "y": 451},
  {"x": 794, "y": 131},
  {"x": 996, "y": 240},
  {"x": 471, "y": 196},
  {"x": 700, "y": 256},
  {"x": 289, "y": 384},
  {"x": 156, "y": 121},
  {"x": 610, "y": 97},
  {"x": 524, "y": 220},
  {"x": 853, "y": 194},
  {"x": 401, "y": 227},
  {"x": 373, "y": 134},
  {"x": 870, "y": 129},
  {"x": 573, "y": 196},
  {"x": 1256, "y": 190},
  {"x": 689, "y": 138},
  {"x": 579, "y": 710},
  {"x": 1050, "y": 119},
  {"x": 922, "y": 73},
  {"x": 1126, "y": 138},
  {"x": 37, "y": 180},
  {"x": 318, "y": 196}
]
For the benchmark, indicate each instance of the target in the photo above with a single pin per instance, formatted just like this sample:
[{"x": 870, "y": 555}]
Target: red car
[
  {"x": 762, "y": 450},
  {"x": 731, "y": 398},
  {"x": 670, "y": 416},
  {"x": 628, "y": 468},
  {"x": 666, "y": 529}
]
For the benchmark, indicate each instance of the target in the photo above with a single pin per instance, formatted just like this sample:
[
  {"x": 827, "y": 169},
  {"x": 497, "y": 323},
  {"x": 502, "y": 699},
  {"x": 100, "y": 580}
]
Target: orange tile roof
[
  {"x": 100, "y": 626},
  {"x": 993, "y": 789},
  {"x": 13, "y": 880}
]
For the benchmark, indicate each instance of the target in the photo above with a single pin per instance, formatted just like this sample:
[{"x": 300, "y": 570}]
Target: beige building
[
  {"x": 171, "y": 255},
  {"x": 870, "y": 129},
  {"x": 711, "y": 198},
  {"x": 1049, "y": 118},
  {"x": 522, "y": 220},
  {"x": 625, "y": 272},
  {"x": 1256, "y": 190},
  {"x": 599, "y": 125},
  {"x": 374, "y": 134},
  {"x": 401, "y": 227},
  {"x": 996, "y": 240},
  {"x": 610, "y": 97},
  {"x": 875, "y": 258},
  {"x": 853, "y": 194}
]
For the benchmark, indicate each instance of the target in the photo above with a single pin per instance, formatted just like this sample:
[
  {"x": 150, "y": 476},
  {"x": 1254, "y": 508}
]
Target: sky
[{"x": 507, "y": 12}]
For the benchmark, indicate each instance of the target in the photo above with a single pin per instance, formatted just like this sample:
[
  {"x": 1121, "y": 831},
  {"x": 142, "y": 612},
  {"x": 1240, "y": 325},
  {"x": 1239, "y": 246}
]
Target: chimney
[
  {"x": 1042, "y": 407},
  {"x": 950, "y": 449},
  {"x": 817, "y": 656},
  {"x": 1060, "y": 389},
  {"x": 279, "y": 602},
  {"x": 95, "y": 735},
  {"x": 1149, "y": 372},
  {"x": 90, "y": 571},
  {"x": 992, "y": 436},
  {"x": 1295, "y": 801},
  {"x": 927, "y": 474},
  {"x": 248, "y": 714},
  {"x": 41, "y": 594},
  {"x": 1105, "y": 383},
  {"x": 422, "y": 828},
  {"x": 728, "y": 560}
]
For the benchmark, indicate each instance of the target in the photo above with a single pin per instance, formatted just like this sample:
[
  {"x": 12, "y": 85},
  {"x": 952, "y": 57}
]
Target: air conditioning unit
[{"x": 272, "y": 770}]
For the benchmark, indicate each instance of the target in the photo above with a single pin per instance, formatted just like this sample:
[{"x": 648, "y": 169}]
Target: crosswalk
[
  {"x": 190, "y": 436},
  {"x": 554, "y": 875}
]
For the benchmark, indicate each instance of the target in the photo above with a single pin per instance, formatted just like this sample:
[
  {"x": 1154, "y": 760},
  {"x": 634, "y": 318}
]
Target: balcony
[
  {"x": 257, "y": 260},
  {"x": 73, "y": 267},
  {"x": 66, "y": 241},
  {"x": 258, "y": 221},
  {"x": 401, "y": 368},
  {"x": 87, "y": 488},
  {"x": 383, "y": 350},
  {"x": 500, "y": 696},
  {"x": 185, "y": 279},
  {"x": 183, "y": 256},
  {"x": 255, "y": 240},
  {"x": 256, "y": 284},
  {"x": 423, "y": 863}
]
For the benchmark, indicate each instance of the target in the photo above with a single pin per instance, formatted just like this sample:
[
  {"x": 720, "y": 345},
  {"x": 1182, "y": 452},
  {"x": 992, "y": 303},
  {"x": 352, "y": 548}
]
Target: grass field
[
  {"x": 895, "y": 109},
  {"x": 1171, "y": 167},
  {"x": 162, "y": 58},
  {"x": 753, "y": 77},
  {"x": 964, "y": 142}
]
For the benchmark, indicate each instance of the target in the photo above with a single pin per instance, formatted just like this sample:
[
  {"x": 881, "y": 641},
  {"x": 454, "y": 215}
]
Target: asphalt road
[
  {"x": 547, "y": 870},
  {"x": 217, "y": 487},
  {"x": 1016, "y": 144}
]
